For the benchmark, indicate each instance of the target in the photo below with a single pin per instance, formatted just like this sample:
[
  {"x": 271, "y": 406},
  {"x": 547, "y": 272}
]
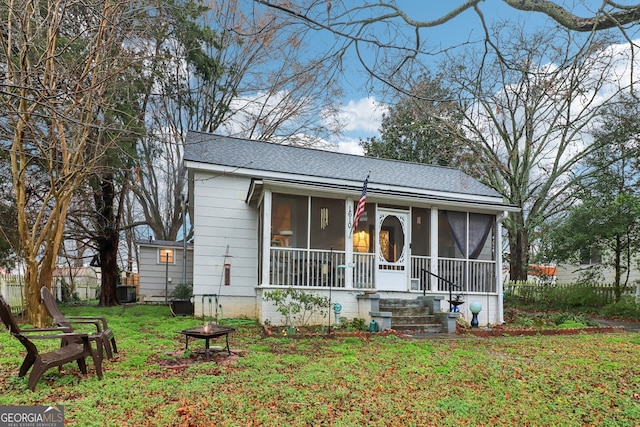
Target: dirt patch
[{"x": 179, "y": 360}]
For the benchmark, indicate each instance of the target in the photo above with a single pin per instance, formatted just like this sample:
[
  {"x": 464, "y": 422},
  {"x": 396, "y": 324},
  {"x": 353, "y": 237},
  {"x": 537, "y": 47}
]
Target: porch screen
[
  {"x": 420, "y": 222},
  {"x": 480, "y": 226},
  {"x": 327, "y": 224},
  {"x": 289, "y": 220}
]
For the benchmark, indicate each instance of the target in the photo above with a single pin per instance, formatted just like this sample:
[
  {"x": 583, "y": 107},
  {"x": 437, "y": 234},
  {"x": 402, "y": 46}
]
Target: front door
[{"x": 392, "y": 255}]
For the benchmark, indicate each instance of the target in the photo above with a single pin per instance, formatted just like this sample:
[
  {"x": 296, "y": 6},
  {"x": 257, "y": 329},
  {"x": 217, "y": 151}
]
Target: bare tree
[
  {"x": 248, "y": 76},
  {"x": 387, "y": 37},
  {"x": 528, "y": 108},
  {"x": 54, "y": 86}
]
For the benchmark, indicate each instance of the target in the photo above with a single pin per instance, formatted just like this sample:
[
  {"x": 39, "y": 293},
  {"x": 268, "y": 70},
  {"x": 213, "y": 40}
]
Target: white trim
[
  {"x": 498, "y": 249},
  {"x": 433, "y": 253},
  {"x": 159, "y": 258},
  {"x": 266, "y": 236}
]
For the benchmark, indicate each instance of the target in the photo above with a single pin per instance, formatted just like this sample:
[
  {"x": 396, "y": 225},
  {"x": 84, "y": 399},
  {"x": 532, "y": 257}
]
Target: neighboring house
[
  {"x": 161, "y": 268},
  {"x": 281, "y": 215},
  {"x": 567, "y": 273}
]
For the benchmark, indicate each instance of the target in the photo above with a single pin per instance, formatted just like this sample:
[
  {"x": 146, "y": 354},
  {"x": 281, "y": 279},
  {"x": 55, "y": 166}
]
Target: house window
[
  {"x": 590, "y": 256},
  {"x": 289, "y": 220},
  {"x": 166, "y": 256}
]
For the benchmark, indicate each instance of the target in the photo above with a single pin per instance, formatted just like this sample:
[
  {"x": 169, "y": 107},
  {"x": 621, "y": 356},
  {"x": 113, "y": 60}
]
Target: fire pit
[{"x": 207, "y": 332}]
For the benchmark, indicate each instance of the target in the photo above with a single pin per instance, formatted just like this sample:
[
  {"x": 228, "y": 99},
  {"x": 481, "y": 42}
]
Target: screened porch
[{"x": 426, "y": 250}]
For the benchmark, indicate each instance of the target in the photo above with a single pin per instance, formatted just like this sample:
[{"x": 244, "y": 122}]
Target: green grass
[{"x": 573, "y": 380}]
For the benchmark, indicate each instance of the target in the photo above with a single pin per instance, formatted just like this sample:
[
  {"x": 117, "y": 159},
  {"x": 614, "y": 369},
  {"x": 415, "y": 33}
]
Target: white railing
[
  {"x": 306, "y": 267},
  {"x": 11, "y": 286},
  {"x": 418, "y": 266},
  {"x": 467, "y": 275},
  {"x": 319, "y": 268},
  {"x": 363, "y": 267}
]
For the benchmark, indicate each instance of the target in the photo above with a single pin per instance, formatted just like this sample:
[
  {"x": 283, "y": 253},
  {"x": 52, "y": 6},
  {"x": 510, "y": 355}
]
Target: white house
[{"x": 267, "y": 215}]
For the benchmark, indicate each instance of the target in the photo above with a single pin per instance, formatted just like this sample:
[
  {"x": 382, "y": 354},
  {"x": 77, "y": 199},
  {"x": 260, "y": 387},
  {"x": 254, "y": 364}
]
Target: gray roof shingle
[{"x": 266, "y": 156}]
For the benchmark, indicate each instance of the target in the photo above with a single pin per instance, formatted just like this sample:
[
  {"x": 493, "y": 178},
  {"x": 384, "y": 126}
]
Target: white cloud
[
  {"x": 361, "y": 118},
  {"x": 362, "y": 115},
  {"x": 349, "y": 146}
]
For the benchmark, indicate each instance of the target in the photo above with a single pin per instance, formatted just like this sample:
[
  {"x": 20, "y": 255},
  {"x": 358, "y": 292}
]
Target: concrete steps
[{"x": 412, "y": 315}]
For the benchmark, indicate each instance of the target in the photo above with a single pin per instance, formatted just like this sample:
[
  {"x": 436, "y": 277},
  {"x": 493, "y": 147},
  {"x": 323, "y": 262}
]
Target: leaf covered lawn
[{"x": 579, "y": 380}]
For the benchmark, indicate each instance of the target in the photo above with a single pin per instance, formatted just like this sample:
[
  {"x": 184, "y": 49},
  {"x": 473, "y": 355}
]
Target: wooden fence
[
  {"x": 537, "y": 291},
  {"x": 11, "y": 286}
]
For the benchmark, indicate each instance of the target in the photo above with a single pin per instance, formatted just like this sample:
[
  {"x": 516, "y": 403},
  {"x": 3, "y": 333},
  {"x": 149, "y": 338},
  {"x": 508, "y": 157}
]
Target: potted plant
[{"x": 181, "y": 304}]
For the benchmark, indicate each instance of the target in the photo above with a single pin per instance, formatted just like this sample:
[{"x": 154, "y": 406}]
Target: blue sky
[{"x": 362, "y": 110}]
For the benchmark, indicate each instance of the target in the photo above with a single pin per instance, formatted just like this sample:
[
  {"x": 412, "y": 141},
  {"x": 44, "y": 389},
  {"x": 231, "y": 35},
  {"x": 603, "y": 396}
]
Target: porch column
[
  {"x": 498, "y": 249},
  {"x": 348, "y": 244},
  {"x": 266, "y": 238},
  {"x": 434, "y": 246}
]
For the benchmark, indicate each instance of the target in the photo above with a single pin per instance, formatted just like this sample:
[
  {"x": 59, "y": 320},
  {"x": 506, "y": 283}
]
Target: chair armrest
[
  {"x": 59, "y": 336},
  {"x": 103, "y": 320},
  {"x": 62, "y": 329},
  {"x": 95, "y": 322}
]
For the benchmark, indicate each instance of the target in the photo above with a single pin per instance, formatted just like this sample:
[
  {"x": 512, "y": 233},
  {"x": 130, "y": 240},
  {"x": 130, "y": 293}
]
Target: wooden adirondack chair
[
  {"x": 77, "y": 348},
  {"x": 103, "y": 336}
]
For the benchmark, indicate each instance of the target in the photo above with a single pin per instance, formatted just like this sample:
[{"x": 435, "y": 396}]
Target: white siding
[
  {"x": 221, "y": 219},
  {"x": 571, "y": 273}
]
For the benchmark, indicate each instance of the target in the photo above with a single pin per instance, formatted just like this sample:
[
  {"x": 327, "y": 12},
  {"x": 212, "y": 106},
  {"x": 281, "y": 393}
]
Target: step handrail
[{"x": 448, "y": 282}]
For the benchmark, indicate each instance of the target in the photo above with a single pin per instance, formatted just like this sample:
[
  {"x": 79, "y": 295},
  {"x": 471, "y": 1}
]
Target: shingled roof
[{"x": 320, "y": 164}]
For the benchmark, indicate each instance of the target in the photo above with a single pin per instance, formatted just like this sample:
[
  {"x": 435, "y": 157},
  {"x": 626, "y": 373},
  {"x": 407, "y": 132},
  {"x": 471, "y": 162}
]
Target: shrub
[
  {"x": 182, "y": 291},
  {"x": 568, "y": 320},
  {"x": 355, "y": 324},
  {"x": 626, "y": 308},
  {"x": 297, "y": 306}
]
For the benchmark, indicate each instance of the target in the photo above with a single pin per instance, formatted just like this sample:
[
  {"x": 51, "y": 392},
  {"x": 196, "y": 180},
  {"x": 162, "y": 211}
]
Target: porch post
[
  {"x": 433, "y": 259},
  {"x": 266, "y": 238},
  {"x": 498, "y": 249},
  {"x": 348, "y": 244}
]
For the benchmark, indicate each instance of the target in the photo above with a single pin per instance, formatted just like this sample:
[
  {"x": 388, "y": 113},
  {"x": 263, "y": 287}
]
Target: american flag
[{"x": 361, "y": 202}]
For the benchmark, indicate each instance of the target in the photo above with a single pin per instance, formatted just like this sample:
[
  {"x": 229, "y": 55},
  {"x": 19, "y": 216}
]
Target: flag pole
[{"x": 360, "y": 206}]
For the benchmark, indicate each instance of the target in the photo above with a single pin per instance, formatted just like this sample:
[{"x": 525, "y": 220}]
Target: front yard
[{"x": 578, "y": 380}]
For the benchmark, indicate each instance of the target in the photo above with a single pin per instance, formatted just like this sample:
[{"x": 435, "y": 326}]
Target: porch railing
[
  {"x": 468, "y": 275},
  {"x": 418, "y": 265},
  {"x": 363, "y": 267},
  {"x": 319, "y": 268},
  {"x": 307, "y": 267}
]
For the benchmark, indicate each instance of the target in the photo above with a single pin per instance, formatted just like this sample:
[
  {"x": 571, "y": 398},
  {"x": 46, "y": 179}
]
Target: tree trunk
[
  {"x": 618, "y": 269},
  {"x": 34, "y": 311},
  {"x": 519, "y": 248},
  {"x": 109, "y": 266},
  {"x": 107, "y": 240}
]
